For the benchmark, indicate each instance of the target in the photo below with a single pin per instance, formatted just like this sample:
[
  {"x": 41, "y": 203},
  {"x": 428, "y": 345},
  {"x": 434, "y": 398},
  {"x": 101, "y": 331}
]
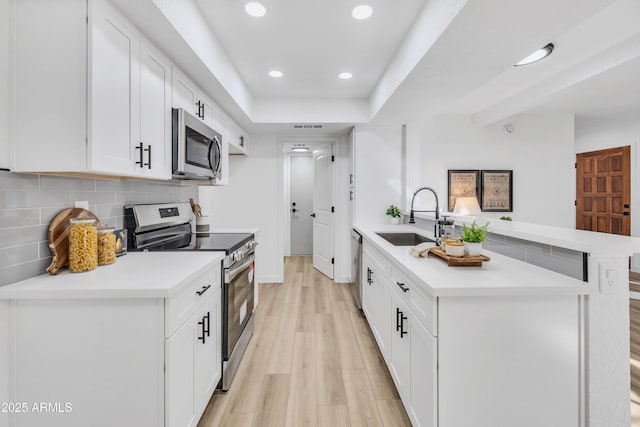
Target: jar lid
[
  {"x": 106, "y": 229},
  {"x": 82, "y": 220}
]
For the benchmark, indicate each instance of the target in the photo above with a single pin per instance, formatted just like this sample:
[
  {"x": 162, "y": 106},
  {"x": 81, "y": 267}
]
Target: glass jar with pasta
[
  {"x": 106, "y": 245},
  {"x": 83, "y": 245}
]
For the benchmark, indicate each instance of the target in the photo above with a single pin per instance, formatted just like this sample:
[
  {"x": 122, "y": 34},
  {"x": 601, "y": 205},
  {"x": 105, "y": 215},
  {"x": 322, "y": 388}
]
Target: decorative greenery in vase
[
  {"x": 475, "y": 233},
  {"x": 394, "y": 212}
]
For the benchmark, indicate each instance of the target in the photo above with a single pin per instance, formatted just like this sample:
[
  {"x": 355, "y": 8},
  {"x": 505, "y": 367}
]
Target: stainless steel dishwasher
[{"x": 356, "y": 267}]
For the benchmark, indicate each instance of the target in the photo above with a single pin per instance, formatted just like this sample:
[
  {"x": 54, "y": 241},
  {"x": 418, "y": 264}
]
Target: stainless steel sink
[{"x": 404, "y": 239}]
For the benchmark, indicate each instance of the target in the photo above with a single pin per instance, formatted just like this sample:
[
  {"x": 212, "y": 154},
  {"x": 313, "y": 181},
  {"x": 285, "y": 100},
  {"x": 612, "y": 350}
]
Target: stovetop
[{"x": 227, "y": 242}]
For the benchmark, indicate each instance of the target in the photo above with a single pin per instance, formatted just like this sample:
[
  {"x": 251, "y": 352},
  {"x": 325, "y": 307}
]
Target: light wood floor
[{"x": 311, "y": 362}]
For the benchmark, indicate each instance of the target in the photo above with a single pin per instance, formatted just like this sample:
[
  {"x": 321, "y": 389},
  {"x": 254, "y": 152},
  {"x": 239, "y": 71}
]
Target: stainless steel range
[{"x": 168, "y": 227}]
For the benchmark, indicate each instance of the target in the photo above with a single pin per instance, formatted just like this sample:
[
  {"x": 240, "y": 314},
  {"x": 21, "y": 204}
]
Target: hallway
[{"x": 312, "y": 361}]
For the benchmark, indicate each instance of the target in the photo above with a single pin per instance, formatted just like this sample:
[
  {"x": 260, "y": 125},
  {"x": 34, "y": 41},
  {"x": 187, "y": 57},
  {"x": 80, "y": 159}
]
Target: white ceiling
[
  {"x": 311, "y": 42},
  {"x": 412, "y": 60}
]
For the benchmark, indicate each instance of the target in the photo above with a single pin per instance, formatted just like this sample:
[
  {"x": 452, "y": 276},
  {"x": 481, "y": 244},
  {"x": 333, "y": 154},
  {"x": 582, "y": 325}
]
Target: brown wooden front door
[{"x": 603, "y": 193}]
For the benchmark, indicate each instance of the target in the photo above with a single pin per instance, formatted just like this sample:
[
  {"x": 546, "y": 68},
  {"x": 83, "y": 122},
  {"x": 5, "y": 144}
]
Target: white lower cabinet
[
  {"x": 118, "y": 361},
  {"x": 193, "y": 365},
  {"x": 375, "y": 300},
  {"x": 475, "y": 360},
  {"x": 413, "y": 363},
  {"x": 410, "y": 350}
]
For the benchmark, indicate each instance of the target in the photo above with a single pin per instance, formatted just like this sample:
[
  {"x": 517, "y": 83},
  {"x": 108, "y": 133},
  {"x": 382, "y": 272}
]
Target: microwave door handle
[
  {"x": 235, "y": 271},
  {"x": 211, "y": 142}
]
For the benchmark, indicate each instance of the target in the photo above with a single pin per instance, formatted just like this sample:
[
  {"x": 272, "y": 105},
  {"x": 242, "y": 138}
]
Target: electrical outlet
[
  {"x": 609, "y": 280},
  {"x": 82, "y": 204}
]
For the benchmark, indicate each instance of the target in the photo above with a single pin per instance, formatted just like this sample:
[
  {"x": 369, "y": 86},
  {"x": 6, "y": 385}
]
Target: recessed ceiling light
[
  {"x": 537, "y": 55},
  {"x": 255, "y": 9},
  {"x": 345, "y": 75},
  {"x": 362, "y": 11},
  {"x": 275, "y": 73}
]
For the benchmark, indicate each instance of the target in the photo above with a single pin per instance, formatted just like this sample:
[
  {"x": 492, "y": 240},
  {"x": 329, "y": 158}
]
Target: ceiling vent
[{"x": 307, "y": 126}]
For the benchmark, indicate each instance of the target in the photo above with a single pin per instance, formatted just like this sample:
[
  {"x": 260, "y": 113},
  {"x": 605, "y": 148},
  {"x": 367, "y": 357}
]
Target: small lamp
[{"x": 467, "y": 206}]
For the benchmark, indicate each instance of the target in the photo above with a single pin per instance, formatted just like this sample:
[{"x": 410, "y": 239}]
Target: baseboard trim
[{"x": 270, "y": 279}]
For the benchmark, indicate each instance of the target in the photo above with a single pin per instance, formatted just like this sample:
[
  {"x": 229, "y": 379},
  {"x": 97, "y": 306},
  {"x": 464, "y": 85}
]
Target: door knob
[{"x": 313, "y": 215}]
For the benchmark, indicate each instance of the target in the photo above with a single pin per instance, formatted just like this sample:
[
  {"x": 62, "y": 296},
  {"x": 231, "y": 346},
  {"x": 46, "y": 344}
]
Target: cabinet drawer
[
  {"x": 180, "y": 307},
  {"x": 423, "y": 305}
]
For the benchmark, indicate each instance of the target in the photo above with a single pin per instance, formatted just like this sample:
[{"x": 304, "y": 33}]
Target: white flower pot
[
  {"x": 394, "y": 221},
  {"x": 472, "y": 249}
]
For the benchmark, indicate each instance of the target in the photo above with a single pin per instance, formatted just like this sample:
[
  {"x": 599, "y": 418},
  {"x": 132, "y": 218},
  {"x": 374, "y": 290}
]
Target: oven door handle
[{"x": 232, "y": 273}]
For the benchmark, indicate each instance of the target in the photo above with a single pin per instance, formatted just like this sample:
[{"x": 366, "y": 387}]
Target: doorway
[
  {"x": 301, "y": 204},
  {"x": 603, "y": 191},
  {"x": 309, "y": 188}
]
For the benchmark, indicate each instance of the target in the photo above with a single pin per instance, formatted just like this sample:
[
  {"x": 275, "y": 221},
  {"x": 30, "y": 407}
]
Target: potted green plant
[
  {"x": 395, "y": 213},
  {"x": 473, "y": 237}
]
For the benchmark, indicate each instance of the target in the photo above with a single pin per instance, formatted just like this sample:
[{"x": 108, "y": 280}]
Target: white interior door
[
  {"x": 322, "y": 207},
  {"x": 302, "y": 179}
]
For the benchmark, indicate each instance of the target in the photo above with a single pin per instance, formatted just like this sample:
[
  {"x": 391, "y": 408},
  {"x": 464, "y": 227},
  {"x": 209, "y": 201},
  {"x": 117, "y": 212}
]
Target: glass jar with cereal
[
  {"x": 83, "y": 245},
  {"x": 106, "y": 245}
]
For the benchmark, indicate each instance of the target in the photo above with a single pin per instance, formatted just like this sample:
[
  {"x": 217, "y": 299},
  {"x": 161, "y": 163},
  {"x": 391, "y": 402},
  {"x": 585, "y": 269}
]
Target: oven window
[
  {"x": 240, "y": 305},
  {"x": 197, "y": 149}
]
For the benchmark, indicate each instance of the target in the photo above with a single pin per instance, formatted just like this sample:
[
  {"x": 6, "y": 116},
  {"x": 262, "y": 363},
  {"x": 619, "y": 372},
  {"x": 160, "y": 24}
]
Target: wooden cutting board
[
  {"x": 58, "y": 236},
  {"x": 459, "y": 261}
]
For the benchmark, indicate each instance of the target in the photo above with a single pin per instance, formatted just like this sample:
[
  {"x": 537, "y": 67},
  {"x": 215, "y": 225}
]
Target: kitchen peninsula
[{"x": 492, "y": 345}]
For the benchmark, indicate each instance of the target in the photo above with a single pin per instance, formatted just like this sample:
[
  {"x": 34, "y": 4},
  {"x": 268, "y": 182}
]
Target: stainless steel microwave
[{"x": 196, "y": 148}]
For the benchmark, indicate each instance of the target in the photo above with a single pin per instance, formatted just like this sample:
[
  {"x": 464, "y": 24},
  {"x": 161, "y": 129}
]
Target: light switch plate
[{"x": 609, "y": 277}]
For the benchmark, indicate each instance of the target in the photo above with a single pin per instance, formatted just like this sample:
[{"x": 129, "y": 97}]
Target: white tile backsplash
[{"x": 28, "y": 203}]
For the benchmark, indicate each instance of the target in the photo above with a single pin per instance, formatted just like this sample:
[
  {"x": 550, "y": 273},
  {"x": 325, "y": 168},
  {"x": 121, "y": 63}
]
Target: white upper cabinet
[
  {"x": 155, "y": 113},
  {"x": 184, "y": 93},
  {"x": 103, "y": 92},
  {"x": 238, "y": 140},
  {"x": 113, "y": 75}
]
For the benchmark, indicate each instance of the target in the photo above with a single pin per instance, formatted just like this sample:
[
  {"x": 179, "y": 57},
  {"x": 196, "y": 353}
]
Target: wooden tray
[
  {"x": 459, "y": 261},
  {"x": 58, "y": 236}
]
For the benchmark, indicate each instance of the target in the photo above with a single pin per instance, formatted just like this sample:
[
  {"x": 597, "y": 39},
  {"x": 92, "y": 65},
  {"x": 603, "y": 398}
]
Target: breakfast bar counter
[{"x": 499, "y": 276}]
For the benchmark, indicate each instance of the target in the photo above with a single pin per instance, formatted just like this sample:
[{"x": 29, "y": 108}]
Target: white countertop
[
  {"x": 500, "y": 276},
  {"x": 569, "y": 238},
  {"x": 135, "y": 275},
  {"x": 578, "y": 240}
]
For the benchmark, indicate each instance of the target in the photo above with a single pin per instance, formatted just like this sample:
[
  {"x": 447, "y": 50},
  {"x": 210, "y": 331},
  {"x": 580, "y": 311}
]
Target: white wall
[
  {"x": 540, "y": 151},
  {"x": 344, "y": 213},
  {"x": 251, "y": 200},
  {"x": 4, "y": 84},
  {"x": 378, "y": 172}
]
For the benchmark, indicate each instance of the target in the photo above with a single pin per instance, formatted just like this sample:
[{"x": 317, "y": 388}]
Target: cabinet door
[
  {"x": 376, "y": 303},
  {"x": 184, "y": 94},
  {"x": 208, "y": 110},
  {"x": 179, "y": 375},
  {"x": 208, "y": 364},
  {"x": 113, "y": 79},
  {"x": 400, "y": 354},
  {"x": 422, "y": 398},
  {"x": 155, "y": 114}
]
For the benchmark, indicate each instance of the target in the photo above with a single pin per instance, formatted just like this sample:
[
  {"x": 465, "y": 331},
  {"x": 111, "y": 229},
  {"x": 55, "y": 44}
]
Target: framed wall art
[
  {"x": 496, "y": 190},
  {"x": 462, "y": 183}
]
